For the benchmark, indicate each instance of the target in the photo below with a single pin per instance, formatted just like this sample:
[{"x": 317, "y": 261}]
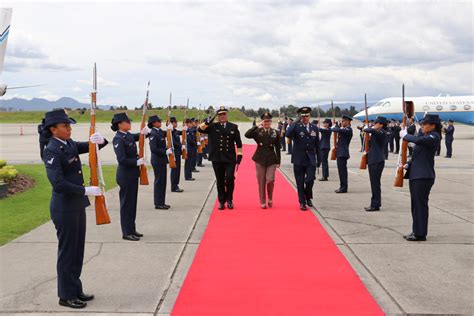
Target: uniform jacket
[
  {"x": 191, "y": 142},
  {"x": 177, "y": 145},
  {"x": 306, "y": 150},
  {"x": 421, "y": 166},
  {"x": 64, "y": 172},
  {"x": 157, "y": 138},
  {"x": 268, "y": 145},
  {"x": 396, "y": 131},
  {"x": 344, "y": 136},
  {"x": 325, "y": 142},
  {"x": 125, "y": 148},
  {"x": 449, "y": 130},
  {"x": 376, "y": 145},
  {"x": 222, "y": 141}
]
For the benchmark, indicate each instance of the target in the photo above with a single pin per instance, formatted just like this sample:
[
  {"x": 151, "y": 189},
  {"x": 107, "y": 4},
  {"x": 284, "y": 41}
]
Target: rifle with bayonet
[
  {"x": 141, "y": 140},
  {"x": 169, "y": 138},
  {"x": 96, "y": 175},
  {"x": 183, "y": 134},
  {"x": 198, "y": 135},
  {"x": 363, "y": 159},
  {"x": 334, "y": 149},
  {"x": 408, "y": 112}
]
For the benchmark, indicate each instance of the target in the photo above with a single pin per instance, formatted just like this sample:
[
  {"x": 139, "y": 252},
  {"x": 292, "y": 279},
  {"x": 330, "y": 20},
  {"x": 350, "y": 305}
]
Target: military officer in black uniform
[
  {"x": 376, "y": 160},
  {"x": 420, "y": 171},
  {"x": 159, "y": 161},
  {"x": 289, "y": 141},
  {"x": 175, "y": 173},
  {"x": 128, "y": 172},
  {"x": 224, "y": 136},
  {"x": 68, "y": 203},
  {"x": 191, "y": 147},
  {"x": 396, "y": 132},
  {"x": 325, "y": 145},
  {"x": 449, "y": 138},
  {"x": 344, "y": 136},
  {"x": 306, "y": 155},
  {"x": 390, "y": 136}
]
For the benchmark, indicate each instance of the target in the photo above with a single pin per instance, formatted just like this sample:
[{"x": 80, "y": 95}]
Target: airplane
[
  {"x": 456, "y": 108},
  {"x": 5, "y": 18}
]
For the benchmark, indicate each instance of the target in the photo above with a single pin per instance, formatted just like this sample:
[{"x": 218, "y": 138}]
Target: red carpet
[{"x": 277, "y": 261}]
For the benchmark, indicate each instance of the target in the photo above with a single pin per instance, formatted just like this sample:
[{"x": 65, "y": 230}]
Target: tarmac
[{"x": 430, "y": 278}]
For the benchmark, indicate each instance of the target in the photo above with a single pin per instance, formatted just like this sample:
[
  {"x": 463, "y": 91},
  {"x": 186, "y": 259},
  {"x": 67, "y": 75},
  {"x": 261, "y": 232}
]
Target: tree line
[{"x": 290, "y": 111}]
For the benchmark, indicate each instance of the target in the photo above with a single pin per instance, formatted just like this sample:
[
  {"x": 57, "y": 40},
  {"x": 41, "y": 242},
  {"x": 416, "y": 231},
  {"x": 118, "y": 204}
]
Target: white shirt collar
[{"x": 62, "y": 141}]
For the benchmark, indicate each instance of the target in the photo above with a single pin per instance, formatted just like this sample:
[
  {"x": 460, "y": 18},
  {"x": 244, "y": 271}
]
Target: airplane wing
[{"x": 5, "y": 18}]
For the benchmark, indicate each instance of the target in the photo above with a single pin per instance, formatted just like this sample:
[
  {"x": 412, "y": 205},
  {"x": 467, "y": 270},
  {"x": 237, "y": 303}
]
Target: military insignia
[
  {"x": 313, "y": 133},
  {"x": 301, "y": 134},
  {"x": 232, "y": 132},
  {"x": 432, "y": 136},
  {"x": 50, "y": 161},
  {"x": 71, "y": 160},
  {"x": 151, "y": 138},
  {"x": 116, "y": 145}
]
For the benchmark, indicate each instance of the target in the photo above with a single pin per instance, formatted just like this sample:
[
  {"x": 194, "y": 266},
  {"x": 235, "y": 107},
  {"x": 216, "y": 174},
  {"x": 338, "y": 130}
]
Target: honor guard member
[
  {"x": 391, "y": 136},
  {"x": 289, "y": 141},
  {"x": 159, "y": 161},
  {"x": 396, "y": 132},
  {"x": 325, "y": 145},
  {"x": 128, "y": 172},
  {"x": 344, "y": 136},
  {"x": 68, "y": 203},
  {"x": 224, "y": 136},
  {"x": 175, "y": 173},
  {"x": 306, "y": 155},
  {"x": 198, "y": 143},
  {"x": 420, "y": 171},
  {"x": 267, "y": 157},
  {"x": 44, "y": 136},
  {"x": 191, "y": 147},
  {"x": 449, "y": 138},
  {"x": 376, "y": 160}
]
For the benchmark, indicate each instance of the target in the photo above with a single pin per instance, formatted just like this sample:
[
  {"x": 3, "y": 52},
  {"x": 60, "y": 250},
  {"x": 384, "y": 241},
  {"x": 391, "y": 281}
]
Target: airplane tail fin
[{"x": 5, "y": 18}]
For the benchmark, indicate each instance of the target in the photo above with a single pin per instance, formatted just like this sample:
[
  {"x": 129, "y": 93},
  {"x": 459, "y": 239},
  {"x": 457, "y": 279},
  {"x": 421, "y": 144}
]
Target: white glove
[
  {"x": 170, "y": 127},
  {"x": 198, "y": 143},
  {"x": 97, "y": 138},
  {"x": 202, "y": 139},
  {"x": 403, "y": 132},
  {"x": 95, "y": 191},
  {"x": 366, "y": 126},
  {"x": 169, "y": 151},
  {"x": 185, "y": 128},
  {"x": 145, "y": 131},
  {"x": 183, "y": 147},
  {"x": 140, "y": 162}
]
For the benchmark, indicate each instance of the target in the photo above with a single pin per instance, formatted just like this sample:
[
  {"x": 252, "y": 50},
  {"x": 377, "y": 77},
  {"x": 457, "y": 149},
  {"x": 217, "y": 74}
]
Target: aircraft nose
[{"x": 359, "y": 115}]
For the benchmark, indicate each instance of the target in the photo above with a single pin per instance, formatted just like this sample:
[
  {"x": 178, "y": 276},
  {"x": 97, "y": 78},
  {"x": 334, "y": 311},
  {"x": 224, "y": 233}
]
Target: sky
[{"x": 240, "y": 53}]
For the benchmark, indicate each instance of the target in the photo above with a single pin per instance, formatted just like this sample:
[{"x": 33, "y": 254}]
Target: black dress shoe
[
  {"x": 190, "y": 179},
  {"x": 410, "y": 234},
  {"x": 195, "y": 170},
  {"x": 323, "y": 179},
  {"x": 166, "y": 205},
  {"x": 75, "y": 303},
  {"x": 303, "y": 207},
  {"x": 161, "y": 207},
  {"x": 230, "y": 205},
  {"x": 221, "y": 206},
  {"x": 415, "y": 238},
  {"x": 178, "y": 190},
  {"x": 130, "y": 237},
  {"x": 340, "y": 191},
  {"x": 372, "y": 209},
  {"x": 86, "y": 297},
  {"x": 137, "y": 234},
  {"x": 309, "y": 203}
]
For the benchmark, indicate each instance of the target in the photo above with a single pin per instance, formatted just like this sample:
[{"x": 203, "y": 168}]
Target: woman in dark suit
[{"x": 267, "y": 157}]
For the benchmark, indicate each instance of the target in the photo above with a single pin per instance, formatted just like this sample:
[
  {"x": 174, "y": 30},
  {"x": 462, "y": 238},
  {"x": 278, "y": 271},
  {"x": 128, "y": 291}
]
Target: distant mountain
[{"x": 38, "y": 104}]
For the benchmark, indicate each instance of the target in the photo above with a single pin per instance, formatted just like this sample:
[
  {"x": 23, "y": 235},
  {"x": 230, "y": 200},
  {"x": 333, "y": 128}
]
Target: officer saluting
[
  {"x": 325, "y": 144},
  {"x": 68, "y": 203},
  {"x": 376, "y": 160},
  {"x": 344, "y": 136},
  {"x": 449, "y": 138},
  {"x": 420, "y": 171},
  {"x": 159, "y": 161},
  {"x": 224, "y": 136},
  {"x": 128, "y": 172},
  {"x": 306, "y": 155}
]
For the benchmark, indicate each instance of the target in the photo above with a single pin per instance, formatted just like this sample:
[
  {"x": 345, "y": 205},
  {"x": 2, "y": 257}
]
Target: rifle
[
  {"x": 408, "y": 111},
  {"x": 183, "y": 134},
  {"x": 363, "y": 159},
  {"x": 334, "y": 149},
  {"x": 97, "y": 177},
  {"x": 169, "y": 139},
  {"x": 319, "y": 118},
  {"x": 198, "y": 135},
  {"x": 141, "y": 140}
]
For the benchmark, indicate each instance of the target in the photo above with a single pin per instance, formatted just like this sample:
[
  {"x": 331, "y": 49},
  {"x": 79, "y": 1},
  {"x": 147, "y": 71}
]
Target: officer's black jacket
[
  {"x": 449, "y": 131},
  {"x": 222, "y": 141},
  {"x": 177, "y": 145},
  {"x": 268, "y": 145},
  {"x": 421, "y": 166},
  {"x": 306, "y": 149},
  {"x": 125, "y": 148},
  {"x": 64, "y": 172},
  {"x": 344, "y": 136},
  {"x": 157, "y": 138},
  {"x": 376, "y": 145},
  {"x": 191, "y": 142},
  {"x": 325, "y": 142},
  {"x": 396, "y": 131}
]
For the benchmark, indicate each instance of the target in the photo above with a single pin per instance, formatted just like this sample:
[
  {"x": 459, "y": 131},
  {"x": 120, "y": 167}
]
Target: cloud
[{"x": 100, "y": 82}]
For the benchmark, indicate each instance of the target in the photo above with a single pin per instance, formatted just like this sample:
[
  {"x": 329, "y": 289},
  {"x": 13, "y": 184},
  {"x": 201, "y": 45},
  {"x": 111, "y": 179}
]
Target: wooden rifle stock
[
  {"x": 169, "y": 140},
  {"x": 363, "y": 159},
  {"x": 335, "y": 134},
  {"x": 408, "y": 112},
  {"x": 101, "y": 214},
  {"x": 141, "y": 141}
]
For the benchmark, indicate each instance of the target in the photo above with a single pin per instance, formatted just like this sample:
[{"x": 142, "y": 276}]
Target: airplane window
[
  {"x": 439, "y": 108},
  {"x": 426, "y": 108},
  {"x": 452, "y": 107},
  {"x": 387, "y": 104},
  {"x": 377, "y": 104},
  {"x": 467, "y": 107}
]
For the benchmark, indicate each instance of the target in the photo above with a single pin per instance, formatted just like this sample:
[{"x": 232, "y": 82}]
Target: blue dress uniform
[
  {"x": 344, "y": 136},
  {"x": 191, "y": 147},
  {"x": 306, "y": 156},
  {"x": 448, "y": 140},
  {"x": 223, "y": 138},
  {"x": 325, "y": 145},
  {"x": 175, "y": 173},
  {"x": 67, "y": 206},
  {"x": 127, "y": 175},
  {"x": 376, "y": 163},
  {"x": 422, "y": 176},
  {"x": 159, "y": 162}
]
